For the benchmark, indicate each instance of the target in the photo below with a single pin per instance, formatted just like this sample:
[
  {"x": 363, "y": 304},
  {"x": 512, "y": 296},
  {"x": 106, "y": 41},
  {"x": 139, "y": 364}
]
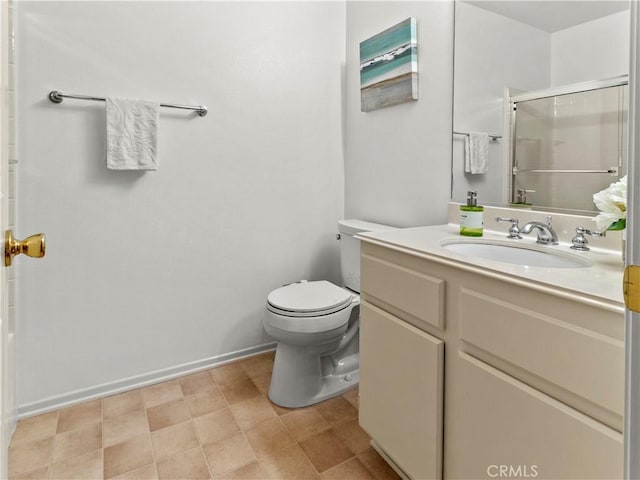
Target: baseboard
[{"x": 131, "y": 383}]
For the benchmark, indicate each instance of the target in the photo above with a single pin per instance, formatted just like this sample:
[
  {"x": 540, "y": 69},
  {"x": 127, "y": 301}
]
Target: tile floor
[{"x": 216, "y": 424}]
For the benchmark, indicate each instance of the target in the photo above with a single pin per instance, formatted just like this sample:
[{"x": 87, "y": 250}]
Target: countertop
[{"x": 600, "y": 283}]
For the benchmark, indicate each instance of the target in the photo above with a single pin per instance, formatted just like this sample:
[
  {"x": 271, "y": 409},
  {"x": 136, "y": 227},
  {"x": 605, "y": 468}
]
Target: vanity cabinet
[
  {"x": 541, "y": 384},
  {"x": 401, "y": 391},
  {"x": 467, "y": 373},
  {"x": 402, "y": 365}
]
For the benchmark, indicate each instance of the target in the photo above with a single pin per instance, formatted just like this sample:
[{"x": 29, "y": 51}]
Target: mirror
[{"x": 507, "y": 48}]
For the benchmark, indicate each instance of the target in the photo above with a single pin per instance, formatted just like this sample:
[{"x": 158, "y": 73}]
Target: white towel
[
  {"x": 132, "y": 134},
  {"x": 476, "y": 152}
]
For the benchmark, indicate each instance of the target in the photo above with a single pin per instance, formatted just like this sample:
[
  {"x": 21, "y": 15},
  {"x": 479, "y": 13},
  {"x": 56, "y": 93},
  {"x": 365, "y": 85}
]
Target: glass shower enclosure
[{"x": 568, "y": 143}]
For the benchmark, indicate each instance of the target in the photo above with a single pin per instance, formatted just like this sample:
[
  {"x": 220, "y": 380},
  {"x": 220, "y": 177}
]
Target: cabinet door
[
  {"x": 401, "y": 373},
  {"x": 506, "y": 428}
]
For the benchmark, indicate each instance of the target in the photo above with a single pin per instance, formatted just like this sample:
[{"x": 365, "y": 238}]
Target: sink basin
[{"x": 525, "y": 255}]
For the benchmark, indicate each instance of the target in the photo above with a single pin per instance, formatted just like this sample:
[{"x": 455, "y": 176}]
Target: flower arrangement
[{"x": 612, "y": 203}]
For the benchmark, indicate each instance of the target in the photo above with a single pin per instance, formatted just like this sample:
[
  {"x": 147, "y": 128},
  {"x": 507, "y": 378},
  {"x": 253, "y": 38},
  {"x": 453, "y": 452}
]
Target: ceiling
[{"x": 552, "y": 15}]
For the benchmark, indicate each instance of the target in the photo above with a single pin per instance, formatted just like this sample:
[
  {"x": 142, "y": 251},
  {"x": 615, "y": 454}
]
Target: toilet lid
[{"x": 318, "y": 298}]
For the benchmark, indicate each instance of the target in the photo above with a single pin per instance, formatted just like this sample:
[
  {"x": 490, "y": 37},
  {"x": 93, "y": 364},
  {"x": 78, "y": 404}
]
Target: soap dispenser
[
  {"x": 471, "y": 214},
  {"x": 521, "y": 200}
]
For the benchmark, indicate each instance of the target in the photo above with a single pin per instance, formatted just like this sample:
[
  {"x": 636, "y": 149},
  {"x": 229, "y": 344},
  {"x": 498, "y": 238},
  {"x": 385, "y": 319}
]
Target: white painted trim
[
  {"x": 7, "y": 420},
  {"x": 138, "y": 381},
  {"x": 632, "y": 255}
]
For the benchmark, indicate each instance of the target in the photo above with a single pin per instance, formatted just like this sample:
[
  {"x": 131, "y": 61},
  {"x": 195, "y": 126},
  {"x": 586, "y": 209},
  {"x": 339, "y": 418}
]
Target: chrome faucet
[
  {"x": 579, "y": 242},
  {"x": 514, "y": 230},
  {"x": 546, "y": 234}
]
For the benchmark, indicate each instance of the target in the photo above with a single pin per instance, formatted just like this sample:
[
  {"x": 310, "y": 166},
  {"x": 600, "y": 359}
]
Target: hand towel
[
  {"x": 132, "y": 134},
  {"x": 476, "y": 153}
]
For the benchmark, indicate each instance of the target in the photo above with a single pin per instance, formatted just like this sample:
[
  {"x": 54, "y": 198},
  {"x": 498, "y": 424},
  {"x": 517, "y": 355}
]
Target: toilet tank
[{"x": 350, "y": 249}]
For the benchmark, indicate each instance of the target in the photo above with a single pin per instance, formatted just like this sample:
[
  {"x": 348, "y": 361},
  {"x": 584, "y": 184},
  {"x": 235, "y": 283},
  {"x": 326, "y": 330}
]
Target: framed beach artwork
[{"x": 389, "y": 67}]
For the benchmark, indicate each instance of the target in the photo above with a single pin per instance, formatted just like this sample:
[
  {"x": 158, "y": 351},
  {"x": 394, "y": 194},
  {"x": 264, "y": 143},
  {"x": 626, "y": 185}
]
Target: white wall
[
  {"x": 398, "y": 159},
  {"x": 170, "y": 269},
  {"x": 591, "y": 51},
  {"x": 491, "y": 52}
]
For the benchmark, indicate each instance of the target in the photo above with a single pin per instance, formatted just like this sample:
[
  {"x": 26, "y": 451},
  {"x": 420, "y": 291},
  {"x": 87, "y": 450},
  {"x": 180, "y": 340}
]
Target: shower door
[{"x": 568, "y": 143}]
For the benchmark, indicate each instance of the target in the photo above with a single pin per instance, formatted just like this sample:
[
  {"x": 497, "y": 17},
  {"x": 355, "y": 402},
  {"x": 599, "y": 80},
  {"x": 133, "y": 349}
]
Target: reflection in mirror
[
  {"x": 568, "y": 143},
  {"x": 504, "y": 48}
]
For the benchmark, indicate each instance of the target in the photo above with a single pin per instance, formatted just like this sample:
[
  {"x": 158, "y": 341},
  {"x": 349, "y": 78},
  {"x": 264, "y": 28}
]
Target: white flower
[{"x": 612, "y": 203}]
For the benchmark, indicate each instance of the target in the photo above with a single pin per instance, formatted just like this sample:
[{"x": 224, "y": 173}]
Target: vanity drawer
[
  {"x": 560, "y": 354},
  {"x": 420, "y": 296}
]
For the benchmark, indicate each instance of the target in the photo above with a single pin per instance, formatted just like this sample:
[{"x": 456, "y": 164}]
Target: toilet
[{"x": 316, "y": 325}]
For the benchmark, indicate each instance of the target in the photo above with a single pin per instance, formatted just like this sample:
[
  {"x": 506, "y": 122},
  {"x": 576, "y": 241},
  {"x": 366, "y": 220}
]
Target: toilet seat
[
  {"x": 309, "y": 299},
  {"x": 309, "y": 307}
]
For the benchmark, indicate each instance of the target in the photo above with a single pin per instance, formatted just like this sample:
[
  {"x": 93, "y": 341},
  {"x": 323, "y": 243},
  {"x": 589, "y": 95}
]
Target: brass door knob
[{"x": 33, "y": 246}]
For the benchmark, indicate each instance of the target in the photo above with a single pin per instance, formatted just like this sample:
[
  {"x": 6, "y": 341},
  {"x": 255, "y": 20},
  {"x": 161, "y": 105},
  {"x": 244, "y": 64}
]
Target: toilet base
[{"x": 300, "y": 379}]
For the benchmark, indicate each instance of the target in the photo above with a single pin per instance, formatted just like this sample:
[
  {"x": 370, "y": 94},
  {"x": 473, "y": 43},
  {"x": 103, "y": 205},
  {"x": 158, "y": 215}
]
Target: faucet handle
[
  {"x": 514, "y": 230},
  {"x": 580, "y": 242}
]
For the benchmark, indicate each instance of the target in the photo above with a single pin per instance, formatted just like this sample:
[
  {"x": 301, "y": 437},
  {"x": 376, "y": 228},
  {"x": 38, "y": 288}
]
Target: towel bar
[
  {"x": 611, "y": 171},
  {"x": 492, "y": 136},
  {"x": 56, "y": 96}
]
